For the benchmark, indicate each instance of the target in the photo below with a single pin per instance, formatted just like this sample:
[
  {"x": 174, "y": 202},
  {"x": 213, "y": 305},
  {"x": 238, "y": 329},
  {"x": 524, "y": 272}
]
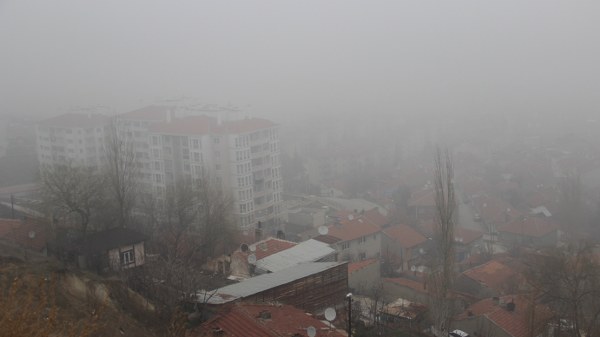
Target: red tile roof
[
  {"x": 415, "y": 285},
  {"x": 149, "y": 113},
  {"x": 354, "y": 228},
  {"x": 405, "y": 235},
  {"x": 529, "y": 226},
  {"x": 373, "y": 215},
  {"x": 492, "y": 274},
  {"x": 423, "y": 198},
  {"x": 494, "y": 210},
  {"x": 271, "y": 246},
  {"x": 244, "y": 320},
  {"x": 76, "y": 120},
  {"x": 352, "y": 267},
  {"x": 462, "y": 235},
  {"x": 516, "y": 323}
]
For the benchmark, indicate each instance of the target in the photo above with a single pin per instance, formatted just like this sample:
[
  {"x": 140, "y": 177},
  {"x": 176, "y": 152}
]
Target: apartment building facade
[
  {"x": 242, "y": 155},
  {"x": 73, "y": 137}
]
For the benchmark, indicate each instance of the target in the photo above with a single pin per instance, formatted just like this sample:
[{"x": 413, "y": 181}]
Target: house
[
  {"x": 114, "y": 249},
  {"x": 506, "y": 316},
  {"x": 492, "y": 278},
  {"x": 263, "y": 320},
  {"x": 422, "y": 204},
  {"x": 307, "y": 251},
  {"x": 355, "y": 238},
  {"x": 364, "y": 276},
  {"x": 493, "y": 212},
  {"x": 311, "y": 286},
  {"x": 403, "y": 247},
  {"x": 402, "y": 312},
  {"x": 466, "y": 241},
  {"x": 529, "y": 231},
  {"x": 27, "y": 233}
]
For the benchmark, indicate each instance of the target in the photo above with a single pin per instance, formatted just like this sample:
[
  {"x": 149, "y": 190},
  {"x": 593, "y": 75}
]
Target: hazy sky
[{"x": 303, "y": 57}]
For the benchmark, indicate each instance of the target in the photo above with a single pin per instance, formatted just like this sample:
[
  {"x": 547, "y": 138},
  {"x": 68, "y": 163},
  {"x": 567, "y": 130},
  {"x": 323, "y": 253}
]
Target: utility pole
[
  {"x": 12, "y": 205},
  {"x": 349, "y": 297}
]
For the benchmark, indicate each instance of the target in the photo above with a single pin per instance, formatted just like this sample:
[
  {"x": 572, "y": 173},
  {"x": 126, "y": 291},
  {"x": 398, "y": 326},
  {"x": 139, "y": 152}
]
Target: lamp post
[{"x": 349, "y": 297}]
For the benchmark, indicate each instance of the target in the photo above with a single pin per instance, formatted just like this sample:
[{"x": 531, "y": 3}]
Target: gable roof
[
  {"x": 373, "y": 215},
  {"x": 405, "y": 235},
  {"x": 462, "y": 235},
  {"x": 517, "y": 322},
  {"x": 529, "y": 226},
  {"x": 100, "y": 242},
  {"x": 414, "y": 285},
  {"x": 356, "y": 266},
  {"x": 264, "y": 282},
  {"x": 270, "y": 246},
  {"x": 307, "y": 251},
  {"x": 245, "y": 320},
  {"x": 422, "y": 198},
  {"x": 492, "y": 274},
  {"x": 352, "y": 228}
]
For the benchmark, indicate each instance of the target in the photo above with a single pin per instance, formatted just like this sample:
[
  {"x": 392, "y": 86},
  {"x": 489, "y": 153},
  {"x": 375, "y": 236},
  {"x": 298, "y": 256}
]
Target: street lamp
[{"x": 349, "y": 298}]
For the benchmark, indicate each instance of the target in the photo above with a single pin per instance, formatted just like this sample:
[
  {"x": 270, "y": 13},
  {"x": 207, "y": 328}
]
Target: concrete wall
[
  {"x": 366, "y": 279},
  {"x": 370, "y": 245}
]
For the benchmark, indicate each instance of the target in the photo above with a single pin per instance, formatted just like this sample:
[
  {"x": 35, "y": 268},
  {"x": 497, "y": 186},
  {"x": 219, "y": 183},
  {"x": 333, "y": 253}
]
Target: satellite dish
[
  {"x": 252, "y": 259},
  {"x": 311, "y": 331},
  {"x": 252, "y": 248},
  {"x": 330, "y": 314},
  {"x": 31, "y": 234},
  {"x": 413, "y": 268},
  {"x": 323, "y": 230},
  {"x": 244, "y": 247}
]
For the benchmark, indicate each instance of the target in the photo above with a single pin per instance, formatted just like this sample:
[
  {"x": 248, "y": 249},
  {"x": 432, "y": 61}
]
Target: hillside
[{"x": 40, "y": 298}]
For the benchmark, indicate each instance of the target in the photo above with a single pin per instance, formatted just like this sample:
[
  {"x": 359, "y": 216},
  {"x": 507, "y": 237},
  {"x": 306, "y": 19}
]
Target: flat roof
[
  {"x": 263, "y": 282},
  {"x": 307, "y": 251}
]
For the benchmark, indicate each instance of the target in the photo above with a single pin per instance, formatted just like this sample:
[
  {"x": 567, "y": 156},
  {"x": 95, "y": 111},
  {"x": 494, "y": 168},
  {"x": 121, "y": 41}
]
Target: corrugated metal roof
[
  {"x": 307, "y": 251},
  {"x": 263, "y": 282}
]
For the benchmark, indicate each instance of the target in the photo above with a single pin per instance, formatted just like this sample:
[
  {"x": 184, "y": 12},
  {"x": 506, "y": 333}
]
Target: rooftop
[
  {"x": 355, "y": 266},
  {"x": 422, "y": 198},
  {"x": 405, "y": 235},
  {"x": 529, "y": 226},
  {"x": 353, "y": 228},
  {"x": 307, "y": 251},
  {"x": 263, "y": 320},
  {"x": 516, "y": 322},
  {"x": 202, "y": 125},
  {"x": 264, "y": 282},
  {"x": 270, "y": 246},
  {"x": 415, "y": 285},
  {"x": 149, "y": 113},
  {"x": 492, "y": 274},
  {"x": 110, "y": 239},
  {"x": 76, "y": 120}
]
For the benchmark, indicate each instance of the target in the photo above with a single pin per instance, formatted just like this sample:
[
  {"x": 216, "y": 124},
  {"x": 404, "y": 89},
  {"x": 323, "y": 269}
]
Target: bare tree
[
  {"x": 568, "y": 279},
  {"x": 121, "y": 173},
  {"x": 69, "y": 190},
  {"x": 442, "y": 267}
]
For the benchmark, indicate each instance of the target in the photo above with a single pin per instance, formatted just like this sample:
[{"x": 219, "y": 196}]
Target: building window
[
  {"x": 127, "y": 257},
  {"x": 362, "y": 256},
  {"x": 345, "y": 245}
]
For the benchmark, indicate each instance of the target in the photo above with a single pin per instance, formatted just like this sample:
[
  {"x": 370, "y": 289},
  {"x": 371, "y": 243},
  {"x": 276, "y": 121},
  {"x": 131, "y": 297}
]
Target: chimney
[
  {"x": 511, "y": 306},
  {"x": 258, "y": 233},
  {"x": 265, "y": 314}
]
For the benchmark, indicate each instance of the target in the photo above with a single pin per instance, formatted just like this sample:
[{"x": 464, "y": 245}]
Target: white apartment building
[
  {"x": 72, "y": 137},
  {"x": 242, "y": 155}
]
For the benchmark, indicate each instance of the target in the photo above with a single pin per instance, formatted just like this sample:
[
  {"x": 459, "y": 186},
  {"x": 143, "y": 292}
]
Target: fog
[{"x": 308, "y": 58}]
